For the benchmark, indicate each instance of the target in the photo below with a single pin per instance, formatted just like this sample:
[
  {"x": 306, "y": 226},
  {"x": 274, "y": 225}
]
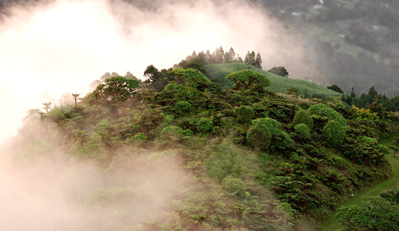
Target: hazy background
[{"x": 49, "y": 48}]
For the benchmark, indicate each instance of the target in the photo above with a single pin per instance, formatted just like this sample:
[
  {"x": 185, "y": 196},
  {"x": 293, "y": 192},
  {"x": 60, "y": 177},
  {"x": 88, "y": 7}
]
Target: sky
[{"x": 49, "y": 50}]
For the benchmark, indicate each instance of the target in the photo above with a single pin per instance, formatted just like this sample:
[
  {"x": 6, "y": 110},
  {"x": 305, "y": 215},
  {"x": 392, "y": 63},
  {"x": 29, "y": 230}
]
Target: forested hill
[
  {"x": 353, "y": 43},
  {"x": 241, "y": 158}
]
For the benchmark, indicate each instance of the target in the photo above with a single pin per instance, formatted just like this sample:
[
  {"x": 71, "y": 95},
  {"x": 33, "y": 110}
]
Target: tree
[
  {"x": 47, "y": 106},
  {"x": 248, "y": 80},
  {"x": 191, "y": 78},
  {"x": 75, "y": 96},
  {"x": 229, "y": 56},
  {"x": 118, "y": 88},
  {"x": 247, "y": 59},
  {"x": 336, "y": 88},
  {"x": 156, "y": 79},
  {"x": 252, "y": 58},
  {"x": 281, "y": 71},
  {"x": 258, "y": 61}
]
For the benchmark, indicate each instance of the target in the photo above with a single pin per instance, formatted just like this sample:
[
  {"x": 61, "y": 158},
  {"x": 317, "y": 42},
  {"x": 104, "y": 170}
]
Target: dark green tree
[
  {"x": 281, "y": 71},
  {"x": 335, "y": 88},
  {"x": 118, "y": 88},
  {"x": 248, "y": 80},
  {"x": 258, "y": 61}
]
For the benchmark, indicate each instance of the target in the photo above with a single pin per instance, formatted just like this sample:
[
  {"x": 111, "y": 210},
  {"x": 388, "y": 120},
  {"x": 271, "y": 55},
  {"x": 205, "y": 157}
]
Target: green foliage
[
  {"x": 172, "y": 133},
  {"x": 260, "y": 134},
  {"x": 303, "y": 117},
  {"x": 294, "y": 91},
  {"x": 191, "y": 78},
  {"x": 248, "y": 80},
  {"x": 118, "y": 88},
  {"x": 334, "y": 133},
  {"x": 303, "y": 131},
  {"x": 244, "y": 114},
  {"x": 140, "y": 138},
  {"x": 280, "y": 85},
  {"x": 375, "y": 214},
  {"x": 324, "y": 110},
  {"x": 182, "y": 107},
  {"x": 282, "y": 140},
  {"x": 335, "y": 88},
  {"x": 233, "y": 185},
  {"x": 205, "y": 125},
  {"x": 281, "y": 71}
]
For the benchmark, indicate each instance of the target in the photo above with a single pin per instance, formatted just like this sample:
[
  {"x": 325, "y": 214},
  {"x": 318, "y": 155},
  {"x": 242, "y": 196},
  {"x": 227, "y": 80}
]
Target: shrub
[
  {"x": 259, "y": 135},
  {"x": 261, "y": 132},
  {"x": 182, "y": 107},
  {"x": 282, "y": 140},
  {"x": 140, "y": 138},
  {"x": 303, "y": 117},
  {"x": 326, "y": 111},
  {"x": 334, "y": 133},
  {"x": 303, "y": 131},
  {"x": 245, "y": 114},
  {"x": 233, "y": 185},
  {"x": 172, "y": 133},
  {"x": 205, "y": 125}
]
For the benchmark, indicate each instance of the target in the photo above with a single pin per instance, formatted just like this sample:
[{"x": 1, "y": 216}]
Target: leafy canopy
[{"x": 248, "y": 80}]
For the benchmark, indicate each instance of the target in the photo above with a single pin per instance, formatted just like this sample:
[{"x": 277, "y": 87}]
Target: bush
[
  {"x": 182, "y": 107},
  {"x": 324, "y": 110},
  {"x": 259, "y": 136},
  {"x": 172, "y": 133},
  {"x": 205, "y": 125},
  {"x": 303, "y": 131},
  {"x": 334, "y": 133},
  {"x": 303, "y": 117},
  {"x": 140, "y": 138},
  {"x": 233, "y": 185},
  {"x": 245, "y": 114},
  {"x": 261, "y": 132},
  {"x": 282, "y": 140}
]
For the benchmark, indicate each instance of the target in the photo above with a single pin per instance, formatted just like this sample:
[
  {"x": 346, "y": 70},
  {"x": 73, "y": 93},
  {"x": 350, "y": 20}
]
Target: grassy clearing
[
  {"x": 279, "y": 84},
  {"x": 332, "y": 224}
]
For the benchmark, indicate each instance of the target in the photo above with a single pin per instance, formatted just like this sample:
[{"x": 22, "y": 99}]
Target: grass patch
[{"x": 306, "y": 89}]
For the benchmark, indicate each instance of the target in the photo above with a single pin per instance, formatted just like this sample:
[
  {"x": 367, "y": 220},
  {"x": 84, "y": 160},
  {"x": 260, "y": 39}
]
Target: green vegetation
[
  {"x": 280, "y": 85},
  {"x": 303, "y": 117},
  {"x": 334, "y": 133},
  {"x": 303, "y": 131},
  {"x": 248, "y": 159}
]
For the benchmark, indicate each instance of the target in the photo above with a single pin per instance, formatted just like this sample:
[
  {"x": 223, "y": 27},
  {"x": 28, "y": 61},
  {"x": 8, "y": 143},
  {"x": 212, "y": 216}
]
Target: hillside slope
[
  {"x": 279, "y": 84},
  {"x": 194, "y": 157}
]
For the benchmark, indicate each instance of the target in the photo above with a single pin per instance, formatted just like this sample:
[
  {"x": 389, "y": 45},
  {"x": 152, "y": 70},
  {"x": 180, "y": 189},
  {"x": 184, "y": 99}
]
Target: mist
[{"x": 55, "y": 48}]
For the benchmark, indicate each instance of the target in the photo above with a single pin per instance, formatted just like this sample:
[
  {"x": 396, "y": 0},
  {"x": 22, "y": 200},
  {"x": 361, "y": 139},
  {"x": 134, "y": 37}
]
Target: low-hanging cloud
[{"x": 63, "y": 45}]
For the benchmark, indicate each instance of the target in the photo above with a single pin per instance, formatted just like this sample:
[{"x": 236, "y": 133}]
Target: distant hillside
[
  {"x": 353, "y": 43},
  {"x": 279, "y": 84}
]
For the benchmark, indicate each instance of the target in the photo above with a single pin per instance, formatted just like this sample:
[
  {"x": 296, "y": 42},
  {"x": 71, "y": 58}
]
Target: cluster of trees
[
  {"x": 372, "y": 99},
  {"x": 220, "y": 56}
]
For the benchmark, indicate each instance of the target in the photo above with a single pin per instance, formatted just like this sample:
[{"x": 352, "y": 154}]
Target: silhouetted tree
[{"x": 47, "y": 106}]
